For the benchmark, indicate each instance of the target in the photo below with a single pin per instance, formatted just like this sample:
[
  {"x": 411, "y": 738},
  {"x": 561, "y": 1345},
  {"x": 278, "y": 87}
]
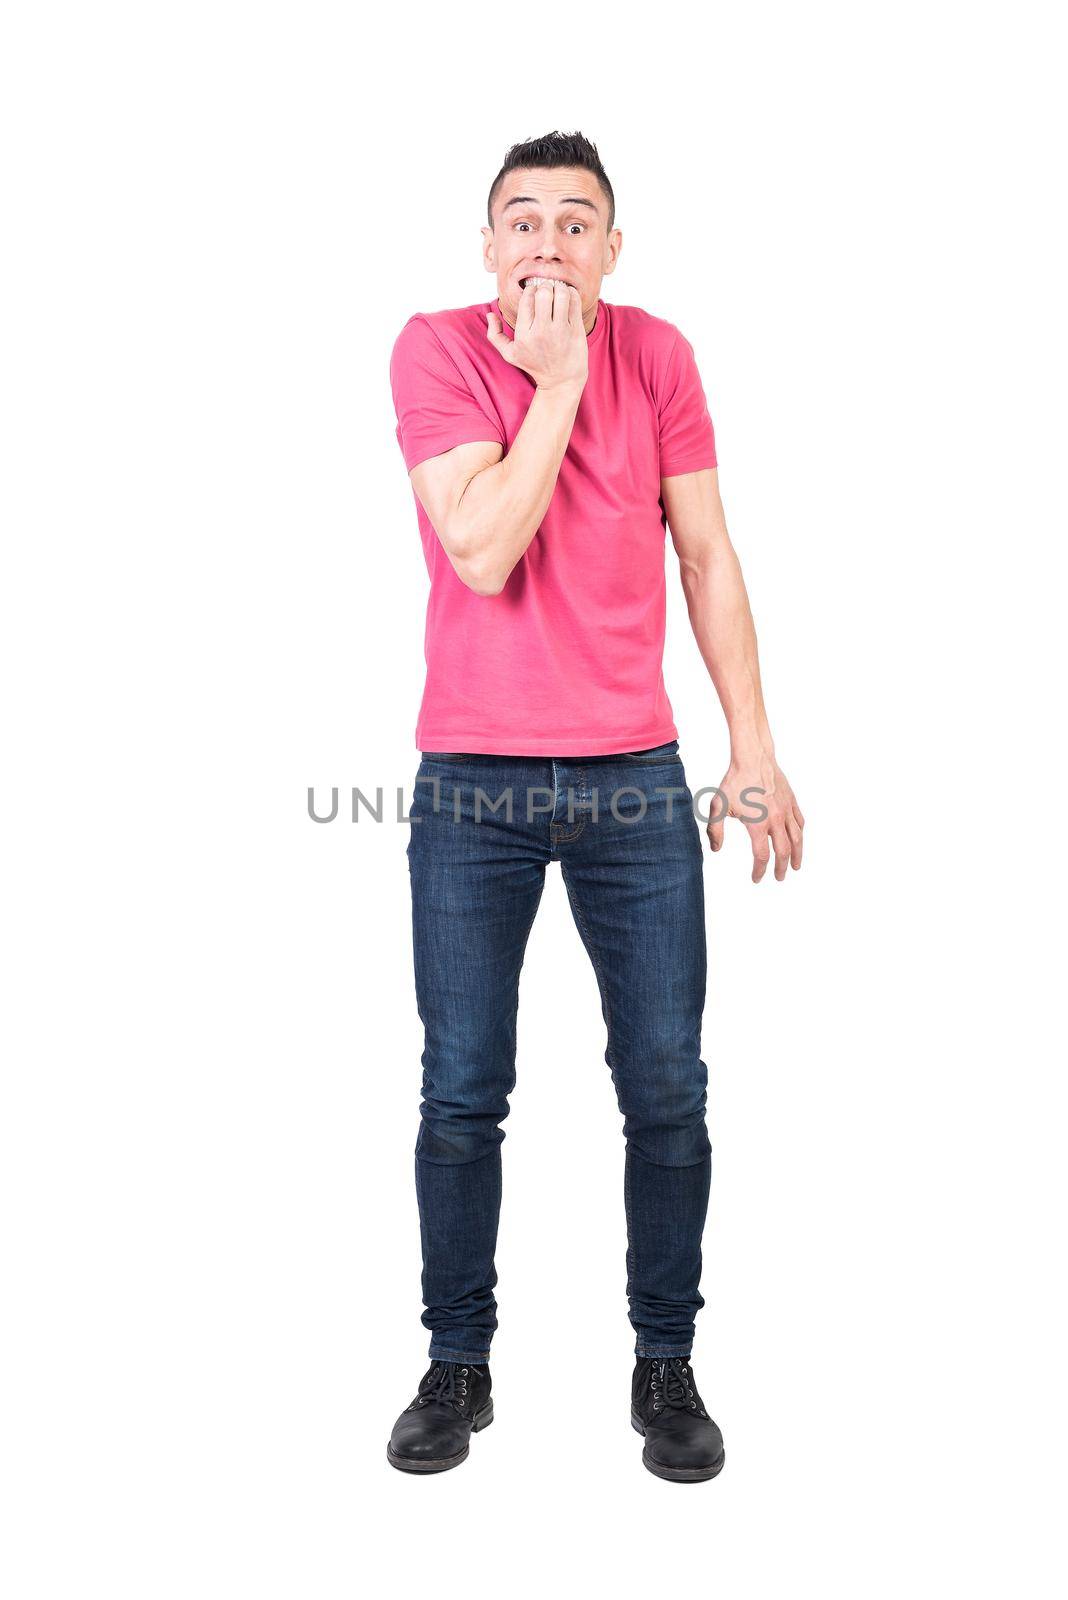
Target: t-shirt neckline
[{"x": 592, "y": 338}]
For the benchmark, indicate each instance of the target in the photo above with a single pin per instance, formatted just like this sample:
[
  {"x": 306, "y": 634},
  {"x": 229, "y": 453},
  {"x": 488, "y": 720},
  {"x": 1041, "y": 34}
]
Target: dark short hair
[{"x": 555, "y": 150}]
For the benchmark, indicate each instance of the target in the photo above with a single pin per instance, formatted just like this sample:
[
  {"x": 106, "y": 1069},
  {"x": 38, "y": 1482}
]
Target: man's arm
[
  {"x": 486, "y": 510},
  {"x": 723, "y": 626}
]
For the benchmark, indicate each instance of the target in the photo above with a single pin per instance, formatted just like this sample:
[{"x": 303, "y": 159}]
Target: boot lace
[
  {"x": 446, "y": 1385},
  {"x": 672, "y": 1385}
]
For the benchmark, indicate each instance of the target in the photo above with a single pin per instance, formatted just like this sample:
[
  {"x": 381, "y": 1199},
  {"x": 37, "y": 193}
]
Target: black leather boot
[
  {"x": 433, "y": 1433},
  {"x": 681, "y": 1440}
]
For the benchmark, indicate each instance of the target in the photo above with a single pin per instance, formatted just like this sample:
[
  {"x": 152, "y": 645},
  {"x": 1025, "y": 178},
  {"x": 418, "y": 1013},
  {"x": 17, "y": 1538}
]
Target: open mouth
[{"x": 536, "y": 279}]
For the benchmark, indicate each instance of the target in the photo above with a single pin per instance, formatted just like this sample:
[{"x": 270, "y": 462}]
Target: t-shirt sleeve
[
  {"x": 687, "y": 438},
  {"x": 436, "y": 409}
]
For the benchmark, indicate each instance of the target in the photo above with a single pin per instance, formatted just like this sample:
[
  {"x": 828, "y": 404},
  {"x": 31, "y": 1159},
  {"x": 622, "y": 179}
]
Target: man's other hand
[{"x": 750, "y": 787}]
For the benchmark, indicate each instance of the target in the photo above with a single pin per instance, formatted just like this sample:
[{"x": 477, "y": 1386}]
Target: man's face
[{"x": 550, "y": 222}]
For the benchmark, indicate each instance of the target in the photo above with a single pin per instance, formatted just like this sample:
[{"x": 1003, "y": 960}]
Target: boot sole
[
  {"x": 441, "y": 1463},
  {"x": 676, "y": 1474}
]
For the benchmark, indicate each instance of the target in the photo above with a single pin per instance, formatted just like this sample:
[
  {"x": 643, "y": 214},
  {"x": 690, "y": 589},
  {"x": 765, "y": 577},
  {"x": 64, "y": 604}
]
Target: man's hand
[
  {"x": 748, "y": 787},
  {"x": 549, "y": 341}
]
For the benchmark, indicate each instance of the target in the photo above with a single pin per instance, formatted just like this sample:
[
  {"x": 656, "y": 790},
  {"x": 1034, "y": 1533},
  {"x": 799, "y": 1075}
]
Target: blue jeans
[{"x": 634, "y": 878}]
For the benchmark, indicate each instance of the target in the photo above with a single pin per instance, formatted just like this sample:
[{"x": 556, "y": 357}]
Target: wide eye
[{"x": 575, "y": 225}]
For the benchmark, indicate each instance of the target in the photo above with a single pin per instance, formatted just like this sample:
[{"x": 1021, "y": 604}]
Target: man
[{"x": 550, "y": 438}]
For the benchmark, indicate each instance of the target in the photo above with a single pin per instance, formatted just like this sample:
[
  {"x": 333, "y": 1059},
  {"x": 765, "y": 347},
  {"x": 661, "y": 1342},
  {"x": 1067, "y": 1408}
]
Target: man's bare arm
[
  {"x": 722, "y": 622},
  {"x": 484, "y": 509}
]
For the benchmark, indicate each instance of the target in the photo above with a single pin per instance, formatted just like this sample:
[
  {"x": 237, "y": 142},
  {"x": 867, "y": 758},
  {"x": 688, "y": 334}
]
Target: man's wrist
[
  {"x": 568, "y": 389},
  {"x": 752, "y": 743}
]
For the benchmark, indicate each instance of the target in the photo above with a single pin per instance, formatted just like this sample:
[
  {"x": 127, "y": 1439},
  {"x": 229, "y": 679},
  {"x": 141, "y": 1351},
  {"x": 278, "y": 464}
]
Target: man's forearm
[
  {"x": 502, "y": 507},
  {"x": 723, "y": 627}
]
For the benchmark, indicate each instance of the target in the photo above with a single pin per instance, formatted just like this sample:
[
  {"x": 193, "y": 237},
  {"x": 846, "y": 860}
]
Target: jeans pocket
[{"x": 657, "y": 754}]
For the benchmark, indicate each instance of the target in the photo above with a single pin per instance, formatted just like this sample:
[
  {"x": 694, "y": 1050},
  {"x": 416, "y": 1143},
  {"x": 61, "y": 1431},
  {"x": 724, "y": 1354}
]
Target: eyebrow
[{"x": 529, "y": 200}]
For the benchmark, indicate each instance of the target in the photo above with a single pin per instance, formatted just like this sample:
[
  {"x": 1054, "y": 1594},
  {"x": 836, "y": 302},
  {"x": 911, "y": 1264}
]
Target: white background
[{"x": 218, "y": 218}]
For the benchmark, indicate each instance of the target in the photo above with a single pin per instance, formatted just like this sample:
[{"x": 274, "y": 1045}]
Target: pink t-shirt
[{"x": 567, "y": 659}]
